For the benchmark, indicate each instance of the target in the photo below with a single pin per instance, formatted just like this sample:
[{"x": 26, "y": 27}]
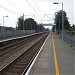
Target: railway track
[
  {"x": 19, "y": 43},
  {"x": 20, "y": 64}
]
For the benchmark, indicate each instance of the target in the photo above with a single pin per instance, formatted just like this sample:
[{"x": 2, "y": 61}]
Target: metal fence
[
  {"x": 69, "y": 36},
  {"x": 14, "y": 33}
]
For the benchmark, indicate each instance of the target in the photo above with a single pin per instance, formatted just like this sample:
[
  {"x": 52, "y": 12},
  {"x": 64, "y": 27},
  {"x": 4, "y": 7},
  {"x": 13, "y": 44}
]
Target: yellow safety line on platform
[{"x": 55, "y": 58}]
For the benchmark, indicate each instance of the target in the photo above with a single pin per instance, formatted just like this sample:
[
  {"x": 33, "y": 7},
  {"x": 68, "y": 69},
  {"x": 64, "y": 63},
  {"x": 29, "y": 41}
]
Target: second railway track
[
  {"x": 21, "y": 62},
  {"x": 11, "y": 47}
]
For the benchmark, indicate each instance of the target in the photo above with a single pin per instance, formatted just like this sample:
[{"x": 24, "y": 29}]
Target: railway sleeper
[{"x": 14, "y": 69}]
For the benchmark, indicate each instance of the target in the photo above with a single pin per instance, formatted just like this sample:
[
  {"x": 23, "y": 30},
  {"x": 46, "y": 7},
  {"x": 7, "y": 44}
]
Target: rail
[{"x": 17, "y": 65}]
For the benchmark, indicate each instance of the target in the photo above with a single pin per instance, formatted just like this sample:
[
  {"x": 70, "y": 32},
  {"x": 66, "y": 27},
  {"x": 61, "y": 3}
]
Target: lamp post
[
  {"x": 55, "y": 25},
  {"x": 62, "y": 18},
  {"x": 23, "y": 22},
  {"x": 3, "y": 24}
]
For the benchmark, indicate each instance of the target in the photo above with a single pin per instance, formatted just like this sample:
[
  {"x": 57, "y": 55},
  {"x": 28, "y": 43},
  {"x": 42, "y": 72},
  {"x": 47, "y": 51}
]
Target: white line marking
[{"x": 36, "y": 57}]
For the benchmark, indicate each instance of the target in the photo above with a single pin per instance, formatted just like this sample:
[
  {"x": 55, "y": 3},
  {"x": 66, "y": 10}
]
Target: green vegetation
[
  {"x": 58, "y": 21},
  {"x": 28, "y": 24},
  {"x": 72, "y": 30}
]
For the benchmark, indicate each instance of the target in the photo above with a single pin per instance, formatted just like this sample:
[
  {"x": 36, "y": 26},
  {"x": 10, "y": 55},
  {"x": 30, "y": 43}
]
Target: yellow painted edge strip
[{"x": 55, "y": 58}]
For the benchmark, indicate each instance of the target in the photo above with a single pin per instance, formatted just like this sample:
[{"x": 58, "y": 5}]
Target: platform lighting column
[
  {"x": 55, "y": 25},
  {"x": 3, "y": 25},
  {"x": 62, "y": 18},
  {"x": 23, "y": 22}
]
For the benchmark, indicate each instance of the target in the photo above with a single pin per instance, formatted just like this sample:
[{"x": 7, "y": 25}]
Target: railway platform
[{"x": 55, "y": 58}]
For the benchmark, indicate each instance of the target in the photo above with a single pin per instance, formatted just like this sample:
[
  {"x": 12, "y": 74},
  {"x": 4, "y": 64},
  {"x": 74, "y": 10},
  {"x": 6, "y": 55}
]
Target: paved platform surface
[{"x": 45, "y": 63}]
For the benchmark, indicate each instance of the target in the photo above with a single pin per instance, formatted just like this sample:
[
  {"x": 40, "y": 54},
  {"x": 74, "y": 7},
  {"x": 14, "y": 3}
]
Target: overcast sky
[{"x": 41, "y": 10}]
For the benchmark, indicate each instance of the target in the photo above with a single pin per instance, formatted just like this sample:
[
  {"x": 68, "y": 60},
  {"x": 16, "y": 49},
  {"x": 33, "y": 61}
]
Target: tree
[
  {"x": 20, "y": 23},
  {"x": 72, "y": 28},
  {"x": 30, "y": 24},
  {"x": 58, "y": 20},
  {"x": 41, "y": 27}
]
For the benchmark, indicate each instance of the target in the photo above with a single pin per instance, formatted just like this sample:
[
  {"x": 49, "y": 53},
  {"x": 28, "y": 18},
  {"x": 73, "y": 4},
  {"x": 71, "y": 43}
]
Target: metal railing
[
  {"x": 14, "y": 33},
  {"x": 69, "y": 36}
]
